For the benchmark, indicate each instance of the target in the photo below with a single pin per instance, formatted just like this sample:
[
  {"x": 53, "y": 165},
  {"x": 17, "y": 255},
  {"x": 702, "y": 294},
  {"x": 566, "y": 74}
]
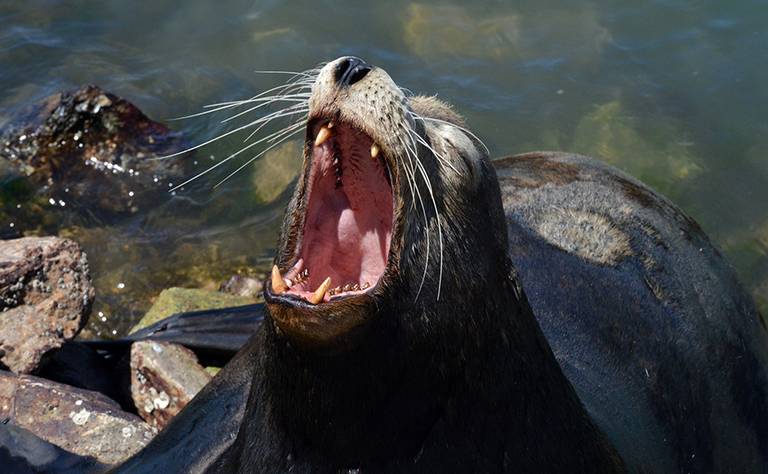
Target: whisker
[
  {"x": 268, "y": 138},
  {"x": 255, "y": 158},
  {"x": 425, "y": 177},
  {"x": 411, "y": 176},
  {"x": 276, "y": 115},
  {"x": 292, "y": 73},
  {"x": 306, "y": 82},
  {"x": 235, "y": 103},
  {"x": 266, "y": 118},
  {"x": 270, "y": 102},
  {"x": 428, "y": 184}
]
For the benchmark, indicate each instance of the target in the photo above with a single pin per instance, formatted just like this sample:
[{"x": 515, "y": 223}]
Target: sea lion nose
[{"x": 350, "y": 70}]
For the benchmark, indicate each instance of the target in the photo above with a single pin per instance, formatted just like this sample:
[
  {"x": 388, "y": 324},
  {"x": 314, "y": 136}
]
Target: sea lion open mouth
[
  {"x": 347, "y": 227},
  {"x": 340, "y": 248}
]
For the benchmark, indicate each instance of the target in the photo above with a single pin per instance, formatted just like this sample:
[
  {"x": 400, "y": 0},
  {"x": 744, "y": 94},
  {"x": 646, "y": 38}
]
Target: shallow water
[{"x": 673, "y": 92}]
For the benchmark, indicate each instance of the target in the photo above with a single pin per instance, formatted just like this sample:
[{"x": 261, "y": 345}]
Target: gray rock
[
  {"x": 240, "y": 285},
  {"x": 45, "y": 298},
  {"x": 164, "y": 378},
  {"x": 79, "y": 421}
]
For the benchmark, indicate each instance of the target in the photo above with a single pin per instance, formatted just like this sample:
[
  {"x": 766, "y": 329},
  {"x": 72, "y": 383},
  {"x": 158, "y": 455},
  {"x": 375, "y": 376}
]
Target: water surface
[{"x": 673, "y": 92}]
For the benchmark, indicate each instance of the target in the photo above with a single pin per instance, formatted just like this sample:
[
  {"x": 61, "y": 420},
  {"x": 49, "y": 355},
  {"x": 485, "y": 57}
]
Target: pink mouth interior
[{"x": 348, "y": 222}]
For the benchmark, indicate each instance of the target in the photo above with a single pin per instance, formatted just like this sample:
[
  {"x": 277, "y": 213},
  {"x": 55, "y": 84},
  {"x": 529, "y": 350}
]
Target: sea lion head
[{"x": 396, "y": 221}]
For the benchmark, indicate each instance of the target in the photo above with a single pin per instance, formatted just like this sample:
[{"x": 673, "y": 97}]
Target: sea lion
[{"x": 399, "y": 334}]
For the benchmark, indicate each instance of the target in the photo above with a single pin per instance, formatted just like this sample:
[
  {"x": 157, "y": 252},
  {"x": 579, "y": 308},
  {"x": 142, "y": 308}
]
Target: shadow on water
[{"x": 668, "y": 91}]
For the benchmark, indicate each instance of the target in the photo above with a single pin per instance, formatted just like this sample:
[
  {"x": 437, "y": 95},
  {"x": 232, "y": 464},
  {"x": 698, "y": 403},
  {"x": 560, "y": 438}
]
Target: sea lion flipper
[{"x": 215, "y": 335}]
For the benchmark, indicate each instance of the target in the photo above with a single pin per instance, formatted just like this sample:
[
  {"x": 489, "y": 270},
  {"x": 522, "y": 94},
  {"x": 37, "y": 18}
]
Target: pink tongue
[{"x": 347, "y": 229}]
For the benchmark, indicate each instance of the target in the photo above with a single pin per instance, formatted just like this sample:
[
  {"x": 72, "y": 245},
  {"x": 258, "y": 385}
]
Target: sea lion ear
[
  {"x": 432, "y": 107},
  {"x": 457, "y": 138}
]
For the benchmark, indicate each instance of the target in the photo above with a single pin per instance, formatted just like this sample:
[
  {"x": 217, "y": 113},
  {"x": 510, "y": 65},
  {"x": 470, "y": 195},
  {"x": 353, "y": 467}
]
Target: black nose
[{"x": 350, "y": 70}]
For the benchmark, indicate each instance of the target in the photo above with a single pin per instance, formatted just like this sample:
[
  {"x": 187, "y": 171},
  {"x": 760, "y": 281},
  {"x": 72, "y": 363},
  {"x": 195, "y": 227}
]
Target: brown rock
[
  {"x": 79, "y": 421},
  {"x": 164, "y": 378},
  {"x": 45, "y": 298},
  {"x": 92, "y": 151}
]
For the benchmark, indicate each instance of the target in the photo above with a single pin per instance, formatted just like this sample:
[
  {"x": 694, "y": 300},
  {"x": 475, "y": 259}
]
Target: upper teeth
[{"x": 324, "y": 134}]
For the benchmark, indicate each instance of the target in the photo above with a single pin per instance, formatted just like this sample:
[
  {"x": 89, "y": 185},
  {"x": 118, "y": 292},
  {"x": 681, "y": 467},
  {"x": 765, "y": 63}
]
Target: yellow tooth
[
  {"x": 323, "y": 135},
  {"x": 319, "y": 293},
  {"x": 375, "y": 150},
  {"x": 278, "y": 284}
]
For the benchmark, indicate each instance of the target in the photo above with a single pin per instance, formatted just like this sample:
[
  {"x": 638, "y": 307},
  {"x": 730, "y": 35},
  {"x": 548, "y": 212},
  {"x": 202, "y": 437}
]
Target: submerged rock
[
  {"x": 164, "y": 378},
  {"x": 178, "y": 300},
  {"x": 436, "y": 31},
  {"x": 274, "y": 173},
  {"x": 79, "y": 421},
  {"x": 45, "y": 298},
  {"x": 658, "y": 153},
  {"x": 92, "y": 149}
]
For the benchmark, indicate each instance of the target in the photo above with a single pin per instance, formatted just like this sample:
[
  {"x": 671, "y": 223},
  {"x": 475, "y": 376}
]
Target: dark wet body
[
  {"x": 647, "y": 321},
  {"x": 664, "y": 347}
]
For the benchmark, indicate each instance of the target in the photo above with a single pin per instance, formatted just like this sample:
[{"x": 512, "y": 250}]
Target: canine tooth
[
  {"x": 278, "y": 285},
  {"x": 319, "y": 293},
  {"x": 375, "y": 150},
  {"x": 323, "y": 135}
]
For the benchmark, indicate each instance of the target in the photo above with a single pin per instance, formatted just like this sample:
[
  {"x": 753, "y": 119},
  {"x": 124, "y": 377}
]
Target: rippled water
[{"x": 674, "y": 92}]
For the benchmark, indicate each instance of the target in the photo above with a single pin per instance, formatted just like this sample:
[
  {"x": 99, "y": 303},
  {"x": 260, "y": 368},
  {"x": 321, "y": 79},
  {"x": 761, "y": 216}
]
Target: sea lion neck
[{"x": 396, "y": 402}]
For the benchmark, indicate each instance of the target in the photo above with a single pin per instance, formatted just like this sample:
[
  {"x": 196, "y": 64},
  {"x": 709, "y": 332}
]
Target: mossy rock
[{"x": 178, "y": 300}]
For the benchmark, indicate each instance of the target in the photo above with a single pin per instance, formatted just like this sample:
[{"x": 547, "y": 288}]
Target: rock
[
  {"x": 274, "y": 173},
  {"x": 45, "y": 298},
  {"x": 164, "y": 378},
  {"x": 91, "y": 149},
  {"x": 177, "y": 300},
  {"x": 213, "y": 370},
  {"x": 245, "y": 286},
  {"x": 79, "y": 421},
  {"x": 23, "y": 452}
]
